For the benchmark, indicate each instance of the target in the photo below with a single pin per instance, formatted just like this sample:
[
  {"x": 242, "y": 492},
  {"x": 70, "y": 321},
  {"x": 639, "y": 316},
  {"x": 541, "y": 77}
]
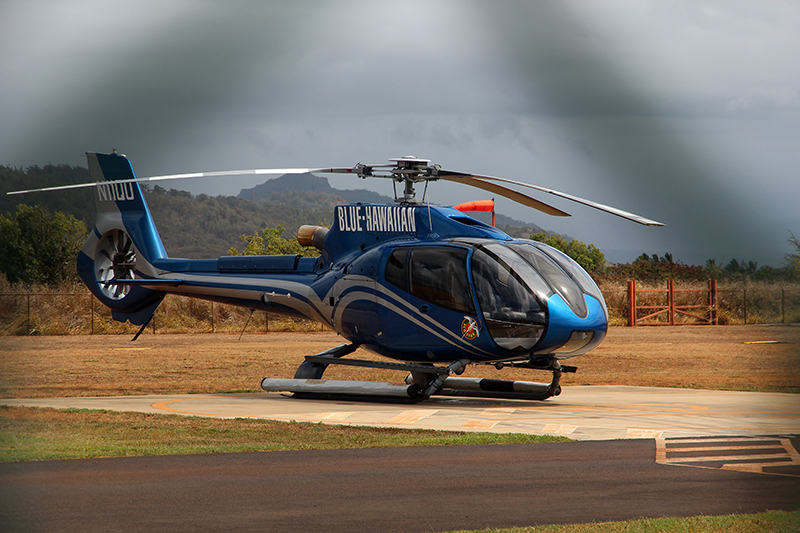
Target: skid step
[
  {"x": 387, "y": 365},
  {"x": 568, "y": 369}
]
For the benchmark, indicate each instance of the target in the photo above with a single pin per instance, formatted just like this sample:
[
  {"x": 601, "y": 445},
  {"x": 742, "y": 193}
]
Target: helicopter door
[
  {"x": 439, "y": 289},
  {"x": 395, "y": 313},
  {"x": 358, "y": 319},
  {"x": 357, "y": 309}
]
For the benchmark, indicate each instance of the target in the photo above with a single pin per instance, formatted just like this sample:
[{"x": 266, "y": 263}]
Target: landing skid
[{"x": 423, "y": 381}]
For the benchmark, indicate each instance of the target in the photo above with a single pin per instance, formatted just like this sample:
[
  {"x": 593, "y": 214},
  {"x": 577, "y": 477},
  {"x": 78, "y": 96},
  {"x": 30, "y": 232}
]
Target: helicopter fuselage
[{"x": 413, "y": 283}]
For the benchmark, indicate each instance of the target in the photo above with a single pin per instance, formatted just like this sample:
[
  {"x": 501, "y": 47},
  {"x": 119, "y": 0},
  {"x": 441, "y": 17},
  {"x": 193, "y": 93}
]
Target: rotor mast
[{"x": 410, "y": 170}]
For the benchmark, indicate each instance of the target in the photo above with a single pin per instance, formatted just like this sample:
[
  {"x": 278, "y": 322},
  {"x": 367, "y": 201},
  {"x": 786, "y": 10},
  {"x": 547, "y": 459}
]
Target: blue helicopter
[{"x": 427, "y": 287}]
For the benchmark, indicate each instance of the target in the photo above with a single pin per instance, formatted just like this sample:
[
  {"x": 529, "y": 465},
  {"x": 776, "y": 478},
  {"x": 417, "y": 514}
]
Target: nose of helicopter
[{"x": 569, "y": 335}]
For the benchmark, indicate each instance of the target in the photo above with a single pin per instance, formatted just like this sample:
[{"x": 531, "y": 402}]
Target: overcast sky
[{"x": 687, "y": 112}]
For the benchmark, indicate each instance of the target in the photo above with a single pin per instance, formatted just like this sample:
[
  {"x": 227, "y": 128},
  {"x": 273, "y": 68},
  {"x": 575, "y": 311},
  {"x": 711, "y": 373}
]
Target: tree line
[{"x": 39, "y": 244}]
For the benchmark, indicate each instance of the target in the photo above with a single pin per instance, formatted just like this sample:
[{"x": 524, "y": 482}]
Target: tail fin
[{"x": 123, "y": 243}]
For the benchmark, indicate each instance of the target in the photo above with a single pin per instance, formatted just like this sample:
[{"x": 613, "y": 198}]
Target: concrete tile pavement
[{"x": 580, "y": 412}]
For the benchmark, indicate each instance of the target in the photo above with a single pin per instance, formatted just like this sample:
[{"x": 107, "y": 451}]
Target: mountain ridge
[
  {"x": 202, "y": 226},
  {"x": 275, "y": 189}
]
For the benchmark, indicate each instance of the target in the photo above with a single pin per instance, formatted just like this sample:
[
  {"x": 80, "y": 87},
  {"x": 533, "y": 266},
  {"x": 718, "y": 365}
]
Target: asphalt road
[{"x": 376, "y": 490}]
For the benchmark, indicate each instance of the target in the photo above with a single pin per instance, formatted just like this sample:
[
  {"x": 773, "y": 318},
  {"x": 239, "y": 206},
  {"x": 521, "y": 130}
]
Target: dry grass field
[{"x": 755, "y": 357}]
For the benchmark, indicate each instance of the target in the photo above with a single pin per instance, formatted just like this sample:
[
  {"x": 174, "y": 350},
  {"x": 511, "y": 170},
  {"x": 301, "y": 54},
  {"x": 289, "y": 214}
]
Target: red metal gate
[{"x": 665, "y": 314}]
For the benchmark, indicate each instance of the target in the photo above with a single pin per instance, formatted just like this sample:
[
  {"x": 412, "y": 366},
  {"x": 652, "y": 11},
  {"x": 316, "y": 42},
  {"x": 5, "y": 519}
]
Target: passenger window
[
  {"x": 396, "y": 269},
  {"x": 439, "y": 276}
]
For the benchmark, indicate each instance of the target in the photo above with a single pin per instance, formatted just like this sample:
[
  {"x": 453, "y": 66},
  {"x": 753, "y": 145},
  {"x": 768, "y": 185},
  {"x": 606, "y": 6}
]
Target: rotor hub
[
  {"x": 410, "y": 165},
  {"x": 410, "y": 170}
]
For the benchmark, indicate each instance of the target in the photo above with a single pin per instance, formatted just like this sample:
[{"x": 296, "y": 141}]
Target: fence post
[
  {"x": 671, "y": 301},
  {"x": 631, "y": 303},
  {"x": 712, "y": 301},
  {"x": 744, "y": 290}
]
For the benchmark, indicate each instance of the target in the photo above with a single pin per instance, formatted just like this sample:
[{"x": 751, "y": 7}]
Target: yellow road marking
[
  {"x": 639, "y": 409},
  {"x": 334, "y": 416},
  {"x": 163, "y": 406},
  {"x": 721, "y": 448},
  {"x": 560, "y": 429},
  {"x": 480, "y": 424},
  {"x": 787, "y": 456},
  {"x": 756, "y": 468},
  {"x": 715, "y": 458},
  {"x": 497, "y": 411},
  {"x": 722, "y": 439},
  {"x": 643, "y": 434}
]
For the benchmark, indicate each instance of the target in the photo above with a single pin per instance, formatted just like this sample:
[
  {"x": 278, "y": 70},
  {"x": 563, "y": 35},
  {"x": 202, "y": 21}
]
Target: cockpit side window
[
  {"x": 396, "y": 269},
  {"x": 514, "y": 265},
  {"x": 439, "y": 276},
  {"x": 574, "y": 271},
  {"x": 504, "y": 284},
  {"x": 503, "y": 291},
  {"x": 563, "y": 284}
]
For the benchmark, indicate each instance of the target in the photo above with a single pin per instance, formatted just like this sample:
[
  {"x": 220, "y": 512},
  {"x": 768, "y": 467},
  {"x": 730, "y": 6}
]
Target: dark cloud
[{"x": 685, "y": 112}]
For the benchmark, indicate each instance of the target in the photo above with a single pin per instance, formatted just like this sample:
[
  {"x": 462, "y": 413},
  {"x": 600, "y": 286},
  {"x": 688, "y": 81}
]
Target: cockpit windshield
[
  {"x": 564, "y": 285},
  {"x": 576, "y": 273},
  {"x": 507, "y": 288}
]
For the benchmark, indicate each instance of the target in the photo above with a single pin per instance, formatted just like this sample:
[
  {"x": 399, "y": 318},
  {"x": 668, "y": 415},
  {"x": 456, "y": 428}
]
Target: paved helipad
[{"x": 581, "y": 412}]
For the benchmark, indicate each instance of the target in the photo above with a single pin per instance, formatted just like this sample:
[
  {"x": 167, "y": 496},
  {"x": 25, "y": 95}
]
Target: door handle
[{"x": 424, "y": 309}]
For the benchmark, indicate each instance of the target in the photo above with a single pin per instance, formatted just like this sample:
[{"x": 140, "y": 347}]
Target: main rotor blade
[
  {"x": 257, "y": 171},
  {"x": 475, "y": 181},
  {"x": 461, "y": 176}
]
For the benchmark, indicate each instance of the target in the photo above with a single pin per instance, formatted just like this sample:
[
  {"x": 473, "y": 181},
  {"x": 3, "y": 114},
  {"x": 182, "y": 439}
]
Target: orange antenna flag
[{"x": 477, "y": 205}]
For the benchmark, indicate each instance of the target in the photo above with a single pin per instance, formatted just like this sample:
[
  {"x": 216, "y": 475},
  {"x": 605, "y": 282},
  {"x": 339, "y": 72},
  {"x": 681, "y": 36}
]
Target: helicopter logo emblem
[{"x": 469, "y": 328}]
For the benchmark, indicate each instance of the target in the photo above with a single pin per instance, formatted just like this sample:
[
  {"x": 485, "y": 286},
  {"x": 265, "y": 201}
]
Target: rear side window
[
  {"x": 439, "y": 276},
  {"x": 396, "y": 268}
]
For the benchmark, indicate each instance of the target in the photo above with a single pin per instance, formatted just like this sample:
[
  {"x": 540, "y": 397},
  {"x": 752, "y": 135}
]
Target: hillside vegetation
[
  {"x": 191, "y": 226},
  {"x": 205, "y": 226}
]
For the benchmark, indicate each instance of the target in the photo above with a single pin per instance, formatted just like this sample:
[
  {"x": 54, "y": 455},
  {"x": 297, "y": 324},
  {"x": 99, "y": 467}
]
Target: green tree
[
  {"x": 586, "y": 255},
  {"x": 76, "y": 202},
  {"x": 272, "y": 242},
  {"x": 746, "y": 268},
  {"x": 37, "y": 247}
]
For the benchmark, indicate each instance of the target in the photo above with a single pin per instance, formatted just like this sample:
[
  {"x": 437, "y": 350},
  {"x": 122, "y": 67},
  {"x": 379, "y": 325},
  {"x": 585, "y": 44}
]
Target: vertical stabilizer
[{"x": 123, "y": 243}]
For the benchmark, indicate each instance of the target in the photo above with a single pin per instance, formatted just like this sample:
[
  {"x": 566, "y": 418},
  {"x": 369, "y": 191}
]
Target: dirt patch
[{"x": 724, "y": 357}]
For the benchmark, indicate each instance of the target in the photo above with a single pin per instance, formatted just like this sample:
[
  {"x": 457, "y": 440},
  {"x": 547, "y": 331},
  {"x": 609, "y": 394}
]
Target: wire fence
[{"x": 79, "y": 313}]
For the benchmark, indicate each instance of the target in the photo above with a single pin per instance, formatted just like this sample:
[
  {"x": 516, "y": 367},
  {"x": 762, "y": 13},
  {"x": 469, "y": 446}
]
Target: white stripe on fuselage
[
  {"x": 313, "y": 306},
  {"x": 389, "y": 300},
  {"x": 253, "y": 289}
]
